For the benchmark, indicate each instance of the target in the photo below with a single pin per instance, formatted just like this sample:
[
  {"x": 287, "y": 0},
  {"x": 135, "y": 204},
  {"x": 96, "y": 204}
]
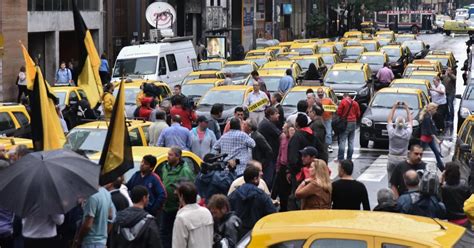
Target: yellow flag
[{"x": 30, "y": 68}]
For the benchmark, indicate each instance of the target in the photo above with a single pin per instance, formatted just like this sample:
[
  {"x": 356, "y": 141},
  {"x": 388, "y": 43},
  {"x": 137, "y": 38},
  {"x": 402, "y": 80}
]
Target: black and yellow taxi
[
  {"x": 329, "y": 47},
  {"x": 370, "y": 45},
  {"x": 286, "y": 55},
  {"x": 375, "y": 60},
  {"x": 353, "y": 42},
  {"x": 90, "y": 137},
  {"x": 383, "y": 41},
  {"x": 305, "y": 61},
  {"x": 421, "y": 84},
  {"x": 374, "y": 121},
  {"x": 297, "y": 93},
  {"x": 386, "y": 34},
  {"x": 398, "y": 57},
  {"x": 446, "y": 59},
  {"x": 422, "y": 65},
  {"x": 239, "y": 70},
  {"x": 354, "y": 228},
  {"x": 330, "y": 58},
  {"x": 204, "y": 74},
  {"x": 464, "y": 148},
  {"x": 259, "y": 53},
  {"x": 352, "y": 78},
  {"x": 14, "y": 120},
  {"x": 400, "y": 38},
  {"x": 340, "y": 45},
  {"x": 466, "y": 106},
  {"x": 352, "y": 53},
  {"x": 260, "y": 60},
  {"x": 196, "y": 88},
  {"x": 353, "y": 34},
  {"x": 369, "y": 27},
  {"x": 161, "y": 154},
  {"x": 277, "y": 49},
  {"x": 272, "y": 78},
  {"x": 283, "y": 65},
  {"x": 417, "y": 48},
  {"x": 425, "y": 74},
  {"x": 212, "y": 64},
  {"x": 304, "y": 48}
]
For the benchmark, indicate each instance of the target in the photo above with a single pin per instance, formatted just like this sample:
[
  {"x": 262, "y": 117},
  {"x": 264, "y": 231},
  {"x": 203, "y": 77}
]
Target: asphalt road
[{"x": 370, "y": 163}]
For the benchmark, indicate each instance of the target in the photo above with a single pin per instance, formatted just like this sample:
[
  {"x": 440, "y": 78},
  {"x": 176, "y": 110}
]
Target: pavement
[{"x": 370, "y": 164}]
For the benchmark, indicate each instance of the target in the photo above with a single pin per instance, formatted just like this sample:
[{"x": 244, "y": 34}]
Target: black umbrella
[{"x": 46, "y": 183}]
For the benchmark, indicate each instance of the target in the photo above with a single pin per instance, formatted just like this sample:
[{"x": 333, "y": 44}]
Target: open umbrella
[{"x": 46, "y": 183}]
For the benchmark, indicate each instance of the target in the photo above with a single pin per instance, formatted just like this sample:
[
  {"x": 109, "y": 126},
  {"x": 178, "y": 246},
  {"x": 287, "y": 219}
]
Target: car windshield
[
  {"x": 136, "y": 66},
  {"x": 196, "y": 89},
  {"x": 352, "y": 51},
  {"x": 470, "y": 93},
  {"x": 61, "y": 97},
  {"x": 393, "y": 53},
  {"x": 371, "y": 60},
  {"x": 293, "y": 97},
  {"x": 304, "y": 63},
  {"x": 412, "y": 86},
  {"x": 443, "y": 61},
  {"x": 232, "y": 97},
  {"x": 271, "y": 83},
  {"x": 403, "y": 39},
  {"x": 86, "y": 139},
  {"x": 328, "y": 59},
  {"x": 203, "y": 66},
  {"x": 385, "y": 36},
  {"x": 303, "y": 51},
  {"x": 425, "y": 77},
  {"x": 130, "y": 95},
  {"x": 259, "y": 61},
  {"x": 189, "y": 78},
  {"x": 238, "y": 69},
  {"x": 415, "y": 46},
  {"x": 327, "y": 49},
  {"x": 345, "y": 77},
  {"x": 386, "y": 100},
  {"x": 370, "y": 47}
]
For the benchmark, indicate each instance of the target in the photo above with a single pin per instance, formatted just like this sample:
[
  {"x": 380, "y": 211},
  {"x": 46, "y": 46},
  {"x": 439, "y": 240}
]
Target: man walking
[
  {"x": 286, "y": 82},
  {"x": 149, "y": 179},
  {"x": 193, "y": 226},
  {"x": 202, "y": 139},
  {"x": 237, "y": 145},
  {"x": 262, "y": 152},
  {"x": 261, "y": 100},
  {"x": 438, "y": 96},
  {"x": 385, "y": 76},
  {"x": 175, "y": 135},
  {"x": 63, "y": 75},
  {"x": 155, "y": 129},
  {"x": 413, "y": 162},
  {"x": 348, "y": 109},
  {"x": 449, "y": 82},
  {"x": 327, "y": 116},
  {"x": 398, "y": 137},
  {"x": 348, "y": 193},
  {"x": 135, "y": 227}
]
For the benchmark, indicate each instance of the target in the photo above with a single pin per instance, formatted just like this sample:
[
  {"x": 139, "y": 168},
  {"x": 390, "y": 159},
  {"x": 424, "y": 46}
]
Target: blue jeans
[
  {"x": 434, "y": 148},
  {"x": 450, "y": 115},
  {"x": 347, "y": 135},
  {"x": 328, "y": 126},
  {"x": 167, "y": 223}
]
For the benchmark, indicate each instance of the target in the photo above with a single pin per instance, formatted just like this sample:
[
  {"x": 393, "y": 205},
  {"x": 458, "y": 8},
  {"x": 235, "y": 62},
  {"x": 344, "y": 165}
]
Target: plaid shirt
[{"x": 237, "y": 145}]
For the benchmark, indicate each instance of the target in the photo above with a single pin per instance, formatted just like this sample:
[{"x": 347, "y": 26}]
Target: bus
[{"x": 408, "y": 20}]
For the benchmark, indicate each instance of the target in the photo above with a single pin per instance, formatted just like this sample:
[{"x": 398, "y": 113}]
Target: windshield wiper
[{"x": 205, "y": 104}]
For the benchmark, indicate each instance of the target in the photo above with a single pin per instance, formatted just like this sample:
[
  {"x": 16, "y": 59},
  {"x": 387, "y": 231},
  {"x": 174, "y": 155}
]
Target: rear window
[
  {"x": 289, "y": 244},
  {"x": 6, "y": 122},
  {"x": 172, "y": 65},
  {"x": 21, "y": 118}
]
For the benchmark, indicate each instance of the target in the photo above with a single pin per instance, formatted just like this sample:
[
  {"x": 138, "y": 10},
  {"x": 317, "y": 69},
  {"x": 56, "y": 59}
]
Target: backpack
[
  {"x": 429, "y": 183},
  {"x": 420, "y": 206}
]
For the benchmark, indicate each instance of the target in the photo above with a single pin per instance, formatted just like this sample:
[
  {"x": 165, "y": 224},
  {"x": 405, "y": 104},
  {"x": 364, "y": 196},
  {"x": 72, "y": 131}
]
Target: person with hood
[
  {"x": 398, "y": 137},
  {"x": 312, "y": 73},
  {"x": 145, "y": 110},
  {"x": 249, "y": 202},
  {"x": 226, "y": 223},
  {"x": 386, "y": 201},
  {"x": 134, "y": 227}
]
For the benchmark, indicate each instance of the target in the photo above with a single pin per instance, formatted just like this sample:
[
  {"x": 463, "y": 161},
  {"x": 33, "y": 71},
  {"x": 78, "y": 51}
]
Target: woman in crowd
[
  {"x": 454, "y": 194},
  {"x": 428, "y": 132},
  {"x": 315, "y": 192},
  {"x": 108, "y": 100}
]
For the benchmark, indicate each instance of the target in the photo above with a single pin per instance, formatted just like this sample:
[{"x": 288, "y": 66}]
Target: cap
[
  {"x": 202, "y": 118},
  {"x": 309, "y": 151}
]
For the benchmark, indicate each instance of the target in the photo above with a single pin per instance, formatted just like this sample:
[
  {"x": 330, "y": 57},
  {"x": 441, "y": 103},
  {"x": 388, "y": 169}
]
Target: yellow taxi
[
  {"x": 305, "y": 61},
  {"x": 196, "y": 88},
  {"x": 12, "y": 142},
  {"x": 446, "y": 60},
  {"x": 350, "y": 228},
  {"x": 304, "y": 48},
  {"x": 260, "y": 60},
  {"x": 319, "y": 41},
  {"x": 368, "y": 27},
  {"x": 423, "y": 65},
  {"x": 353, "y": 34},
  {"x": 297, "y": 93},
  {"x": 283, "y": 65},
  {"x": 134, "y": 94},
  {"x": 464, "y": 148},
  {"x": 161, "y": 154},
  {"x": 272, "y": 78},
  {"x": 90, "y": 137},
  {"x": 427, "y": 75},
  {"x": 400, "y": 38},
  {"x": 15, "y": 120},
  {"x": 330, "y": 58},
  {"x": 67, "y": 94},
  {"x": 239, "y": 70},
  {"x": 383, "y": 41},
  {"x": 277, "y": 49},
  {"x": 457, "y": 27},
  {"x": 329, "y": 47},
  {"x": 212, "y": 64},
  {"x": 386, "y": 34},
  {"x": 259, "y": 53},
  {"x": 286, "y": 44},
  {"x": 286, "y": 55},
  {"x": 340, "y": 45},
  {"x": 204, "y": 74},
  {"x": 370, "y": 45},
  {"x": 421, "y": 84},
  {"x": 353, "y": 42},
  {"x": 375, "y": 60},
  {"x": 352, "y": 53}
]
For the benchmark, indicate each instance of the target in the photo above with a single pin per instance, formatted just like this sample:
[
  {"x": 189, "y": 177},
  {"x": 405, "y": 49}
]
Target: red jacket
[
  {"x": 354, "y": 114},
  {"x": 187, "y": 116}
]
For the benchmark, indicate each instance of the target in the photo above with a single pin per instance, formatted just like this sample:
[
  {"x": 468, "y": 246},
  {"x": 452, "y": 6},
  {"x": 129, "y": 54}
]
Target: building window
[{"x": 62, "y": 5}]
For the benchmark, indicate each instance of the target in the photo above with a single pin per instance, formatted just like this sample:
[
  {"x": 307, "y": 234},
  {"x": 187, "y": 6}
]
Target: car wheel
[
  {"x": 363, "y": 143},
  {"x": 447, "y": 32},
  {"x": 415, "y": 30}
]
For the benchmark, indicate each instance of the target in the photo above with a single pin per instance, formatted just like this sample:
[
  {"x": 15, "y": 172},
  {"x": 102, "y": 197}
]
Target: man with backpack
[
  {"x": 421, "y": 198},
  {"x": 63, "y": 75}
]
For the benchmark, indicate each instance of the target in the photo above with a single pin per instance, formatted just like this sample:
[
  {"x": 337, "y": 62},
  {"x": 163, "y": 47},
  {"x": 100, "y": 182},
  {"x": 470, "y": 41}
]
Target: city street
[{"x": 370, "y": 163}]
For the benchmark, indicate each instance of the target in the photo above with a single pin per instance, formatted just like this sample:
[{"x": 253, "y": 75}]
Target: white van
[{"x": 169, "y": 61}]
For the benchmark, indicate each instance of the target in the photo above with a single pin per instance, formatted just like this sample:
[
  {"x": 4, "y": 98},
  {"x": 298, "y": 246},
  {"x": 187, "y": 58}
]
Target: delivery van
[{"x": 168, "y": 61}]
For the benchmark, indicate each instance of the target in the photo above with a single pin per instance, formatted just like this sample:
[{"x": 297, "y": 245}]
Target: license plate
[{"x": 384, "y": 133}]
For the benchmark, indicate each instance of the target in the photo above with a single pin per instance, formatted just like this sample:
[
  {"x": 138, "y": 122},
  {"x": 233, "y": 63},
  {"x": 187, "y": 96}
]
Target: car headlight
[
  {"x": 364, "y": 91},
  {"x": 366, "y": 121},
  {"x": 415, "y": 123},
  {"x": 465, "y": 112}
]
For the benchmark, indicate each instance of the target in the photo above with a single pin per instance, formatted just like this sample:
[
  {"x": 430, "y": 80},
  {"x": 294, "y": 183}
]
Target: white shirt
[
  {"x": 255, "y": 97},
  {"x": 240, "y": 181},
  {"x": 41, "y": 227},
  {"x": 21, "y": 78},
  {"x": 193, "y": 227},
  {"x": 292, "y": 118},
  {"x": 439, "y": 98}
]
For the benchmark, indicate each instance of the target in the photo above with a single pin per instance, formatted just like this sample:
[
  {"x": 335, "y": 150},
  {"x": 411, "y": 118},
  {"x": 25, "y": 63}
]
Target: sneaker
[{"x": 330, "y": 150}]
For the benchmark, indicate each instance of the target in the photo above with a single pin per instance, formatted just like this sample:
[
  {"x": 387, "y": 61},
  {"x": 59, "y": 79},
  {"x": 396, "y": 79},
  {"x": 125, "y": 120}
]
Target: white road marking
[
  {"x": 334, "y": 166},
  {"x": 376, "y": 171}
]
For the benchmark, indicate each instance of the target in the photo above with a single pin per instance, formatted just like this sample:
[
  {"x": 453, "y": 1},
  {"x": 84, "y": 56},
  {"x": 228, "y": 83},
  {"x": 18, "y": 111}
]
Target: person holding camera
[
  {"x": 438, "y": 96},
  {"x": 226, "y": 223},
  {"x": 398, "y": 137}
]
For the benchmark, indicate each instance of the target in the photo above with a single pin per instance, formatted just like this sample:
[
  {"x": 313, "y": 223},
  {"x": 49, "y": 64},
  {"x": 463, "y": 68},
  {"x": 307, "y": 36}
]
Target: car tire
[
  {"x": 363, "y": 143},
  {"x": 447, "y": 32},
  {"x": 415, "y": 30}
]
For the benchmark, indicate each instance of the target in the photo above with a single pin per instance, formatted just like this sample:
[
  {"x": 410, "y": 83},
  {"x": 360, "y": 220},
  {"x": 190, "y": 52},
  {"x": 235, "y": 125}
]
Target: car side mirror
[{"x": 465, "y": 148}]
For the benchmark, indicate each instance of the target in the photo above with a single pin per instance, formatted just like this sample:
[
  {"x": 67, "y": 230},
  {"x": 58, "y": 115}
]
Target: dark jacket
[
  {"x": 214, "y": 182},
  {"x": 213, "y": 125},
  {"x": 135, "y": 228},
  {"x": 6, "y": 223},
  {"x": 227, "y": 229},
  {"x": 250, "y": 204},
  {"x": 319, "y": 131},
  {"x": 427, "y": 125},
  {"x": 262, "y": 152},
  {"x": 302, "y": 138},
  {"x": 156, "y": 190},
  {"x": 272, "y": 134},
  {"x": 387, "y": 207},
  {"x": 412, "y": 202},
  {"x": 119, "y": 200},
  {"x": 281, "y": 119},
  {"x": 454, "y": 198}
]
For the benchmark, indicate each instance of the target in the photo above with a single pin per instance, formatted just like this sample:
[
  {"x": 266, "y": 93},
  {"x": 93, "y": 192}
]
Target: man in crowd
[
  {"x": 216, "y": 113},
  {"x": 202, "y": 139},
  {"x": 414, "y": 162},
  {"x": 286, "y": 82},
  {"x": 254, "y": 97},
  {"x": 386, "y": 201},
  {"x": 311, "y": 100},
  {"x": 276, "y": 100},
  {"x": 175, "y": 135},
  {"x": 262, "y": 151},
  {"x": 238, "y": 114},
  {"x": 135, "y": 227},
  {"x": 240, "y": 180},
  {"x": 157, "y": 127},
  {"x": 348, "y": 193},
  {"x": 398, "y": 137},
  {"x": 301, "y": 108},
  {"x": 149, "y": 179},
  {"x": 385, "y": 75},
  {"x": 449, "y": 82},
  {"x": 269, "y": 129},
  {"x": 121, "y": 201},
  {"x": 63, "y": 75},
  {"x": 348, "y": 109},
  {"x": 226, "y": 223},
  {"x": 236, "y": 144},
  {"x": 438, "y": 96},
  {"x": 172, "y": 172},
  {"x": 327, "y": 116},
  {"x": 182, "y": 108},
  {"x": 193, "y": 226}
]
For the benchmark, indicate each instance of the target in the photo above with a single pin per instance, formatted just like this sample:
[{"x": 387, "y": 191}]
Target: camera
[{"x": 212, "y": 162}]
